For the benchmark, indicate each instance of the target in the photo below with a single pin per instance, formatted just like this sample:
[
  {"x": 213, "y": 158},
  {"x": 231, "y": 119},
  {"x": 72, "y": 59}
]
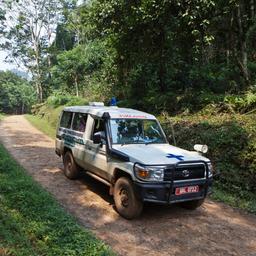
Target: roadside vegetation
[
  {"x": 33, "y": 223},
  {"x": 46, "y": 114},
  {"x": 231, "y": 138}
]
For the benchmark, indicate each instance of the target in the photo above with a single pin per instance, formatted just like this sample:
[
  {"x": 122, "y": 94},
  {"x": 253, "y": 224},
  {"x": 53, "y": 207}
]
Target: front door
[{"x": 96, "y": 155}]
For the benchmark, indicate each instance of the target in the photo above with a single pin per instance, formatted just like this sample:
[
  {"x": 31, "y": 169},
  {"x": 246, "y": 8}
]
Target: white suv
[{"x": 128, "y": 150}]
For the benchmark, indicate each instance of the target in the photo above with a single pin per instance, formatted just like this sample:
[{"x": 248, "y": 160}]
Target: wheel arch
[
  {"x": 118, "y": 173},
  {"x": 65, "y": 150}
]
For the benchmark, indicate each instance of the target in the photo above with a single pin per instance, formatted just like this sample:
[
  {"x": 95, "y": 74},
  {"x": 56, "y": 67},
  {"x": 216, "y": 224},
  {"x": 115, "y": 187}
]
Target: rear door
[
  {"x": 77, "y": 133},
  {"x": 64, "y": 127}
]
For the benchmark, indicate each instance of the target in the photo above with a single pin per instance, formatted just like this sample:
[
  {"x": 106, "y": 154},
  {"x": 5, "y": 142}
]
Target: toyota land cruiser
[{"x": 127, "y": 150}]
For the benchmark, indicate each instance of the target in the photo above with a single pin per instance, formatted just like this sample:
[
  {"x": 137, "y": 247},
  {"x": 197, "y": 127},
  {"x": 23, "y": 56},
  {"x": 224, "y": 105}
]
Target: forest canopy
[{"x": 150, "y": 54}]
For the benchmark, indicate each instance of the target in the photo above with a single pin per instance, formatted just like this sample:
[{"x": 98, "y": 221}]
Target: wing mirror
[
  {"x": 201, "y": 148},
  {"x": 98, "y": 137}
]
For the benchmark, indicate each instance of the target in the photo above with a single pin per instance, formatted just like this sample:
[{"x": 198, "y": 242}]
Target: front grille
[{"x": 185, "y": 172}]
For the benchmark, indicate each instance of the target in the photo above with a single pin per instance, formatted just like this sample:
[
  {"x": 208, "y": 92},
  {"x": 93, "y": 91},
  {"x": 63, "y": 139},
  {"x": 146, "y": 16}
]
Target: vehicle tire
[
  {"x": 71, "y": 169},
  {"x": 126, "y": 202},
  {"x": 192, "y": 205}
]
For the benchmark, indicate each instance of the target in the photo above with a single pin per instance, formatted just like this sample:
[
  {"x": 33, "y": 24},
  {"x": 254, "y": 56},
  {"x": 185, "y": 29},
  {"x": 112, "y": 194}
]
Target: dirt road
[{"x": 214, "y": 229}]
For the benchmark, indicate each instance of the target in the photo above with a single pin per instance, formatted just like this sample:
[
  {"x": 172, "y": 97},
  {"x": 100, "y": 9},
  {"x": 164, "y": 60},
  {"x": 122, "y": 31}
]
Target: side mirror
[
  {"x": 201, "y": 148},
  {"x": 98, "y": 137}
]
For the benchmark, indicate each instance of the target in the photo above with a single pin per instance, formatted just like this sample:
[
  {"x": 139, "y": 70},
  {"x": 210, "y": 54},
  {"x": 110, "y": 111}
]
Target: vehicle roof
[{"x": 114, "y": 112}]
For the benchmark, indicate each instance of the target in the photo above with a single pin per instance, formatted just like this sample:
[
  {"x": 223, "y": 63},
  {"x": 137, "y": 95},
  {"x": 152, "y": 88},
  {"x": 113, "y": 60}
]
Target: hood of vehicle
[{"x": 158, "y": 154}]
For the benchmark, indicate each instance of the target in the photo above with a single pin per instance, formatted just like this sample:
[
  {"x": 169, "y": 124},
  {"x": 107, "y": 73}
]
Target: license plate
[{"x": 186, "y": 190}]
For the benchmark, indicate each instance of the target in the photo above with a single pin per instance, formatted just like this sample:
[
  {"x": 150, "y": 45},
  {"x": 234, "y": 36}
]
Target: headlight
[
  {"x": 149, "y": 173},
  {"x": 210, "y": 168}
]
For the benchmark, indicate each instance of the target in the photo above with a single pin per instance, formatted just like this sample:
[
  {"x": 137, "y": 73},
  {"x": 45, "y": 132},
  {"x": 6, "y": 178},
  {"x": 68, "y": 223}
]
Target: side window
[
  {"x": 98, "y": 126},
  {"x": 66, "y": 119},
  {"x": 79, "y": 122}
]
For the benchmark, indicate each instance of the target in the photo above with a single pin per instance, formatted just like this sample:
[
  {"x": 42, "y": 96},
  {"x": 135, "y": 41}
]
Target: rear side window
[
  {"x": 79, "y": 122},
  {"x": 66, "y": 119}
]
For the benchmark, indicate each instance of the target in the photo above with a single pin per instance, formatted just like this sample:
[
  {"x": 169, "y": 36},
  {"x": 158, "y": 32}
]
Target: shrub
[
  {"x": 241, "y": 103},
  {"x": 57, "y": 100},
  {"x": 231, "y": 140},
  {"x": 50, "y": 110}
]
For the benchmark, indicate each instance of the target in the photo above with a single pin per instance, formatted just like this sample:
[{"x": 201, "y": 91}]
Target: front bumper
[{"x": 165, "y": 192}]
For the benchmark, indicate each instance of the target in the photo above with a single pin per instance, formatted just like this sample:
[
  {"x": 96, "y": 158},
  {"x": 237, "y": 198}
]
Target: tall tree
[{"x": 29, "y": 27}]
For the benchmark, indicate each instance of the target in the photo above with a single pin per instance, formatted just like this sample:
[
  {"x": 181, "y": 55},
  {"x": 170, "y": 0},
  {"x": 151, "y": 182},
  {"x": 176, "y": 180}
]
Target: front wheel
[
  {"x": 71, "y": 169},
  {"x": 192, "y": 205},
  {"x": 126, "y": 202}
]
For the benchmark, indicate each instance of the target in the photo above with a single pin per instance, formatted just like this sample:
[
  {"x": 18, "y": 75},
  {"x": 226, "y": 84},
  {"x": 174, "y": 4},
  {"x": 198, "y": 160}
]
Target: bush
[
  {"x": 241, "y": 103},
  {"x": 232, "y": 145},
  {"x": 50, "y": 110},
  {"x": 58, "y": 99}
]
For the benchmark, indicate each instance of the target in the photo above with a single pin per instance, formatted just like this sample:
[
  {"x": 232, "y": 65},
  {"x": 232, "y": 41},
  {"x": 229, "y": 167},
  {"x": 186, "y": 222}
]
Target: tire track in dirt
[{"x": 214, "y": 229}]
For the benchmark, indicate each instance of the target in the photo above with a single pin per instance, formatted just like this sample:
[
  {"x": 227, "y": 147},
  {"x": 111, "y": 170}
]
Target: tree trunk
[
  {"x": 252, "y": 8},
  {"x": 49, "y": 61},
  {"x": 243, "y": 59},
  {"x": 22, "y": 108},
  {"x": 162, "y": 64},
  {"x": 38, "y": 72},
  {"x": 76, "y": 85},
  {"x": 39, "y": 91}
]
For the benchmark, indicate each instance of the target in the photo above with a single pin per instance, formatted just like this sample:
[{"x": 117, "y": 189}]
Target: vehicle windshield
[{"x": 136, "y": 131}]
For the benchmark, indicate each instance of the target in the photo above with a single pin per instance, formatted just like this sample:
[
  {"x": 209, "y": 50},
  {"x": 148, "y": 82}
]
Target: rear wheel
[
  {"x": 192, "y": 205},
  {"x": 126, "y": 202},
  {"x": 71, "y": 169}
]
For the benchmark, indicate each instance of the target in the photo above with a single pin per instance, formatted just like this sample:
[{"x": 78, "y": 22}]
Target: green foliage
[
  {"x": 152, "y": 53},
  {"x": 231, "y": 140},
  {"x": 46, "y": 115},
  {"x": 245, "y": 200},
  {"x": 33, "y": 223},
  {"x": 28, "y": 36},
  {"x": 58, "y": 99},
  {"x": 79, "y": 71},
  {"x": 241, "y": 103},
  {"x": 16, "y": 94},
  {"x": 138, "y": 51},
  {"x": 132, "y": 50},
  {"x": 1, "y": 116}
]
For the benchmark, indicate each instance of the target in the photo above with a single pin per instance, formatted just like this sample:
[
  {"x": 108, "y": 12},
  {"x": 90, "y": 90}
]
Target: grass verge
[
  {"x": 244, "y": 200},
  {"x": 1, "y": 116},
  {"x": 42, "y": 125},
  {"x": 32, "y": 222}
]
